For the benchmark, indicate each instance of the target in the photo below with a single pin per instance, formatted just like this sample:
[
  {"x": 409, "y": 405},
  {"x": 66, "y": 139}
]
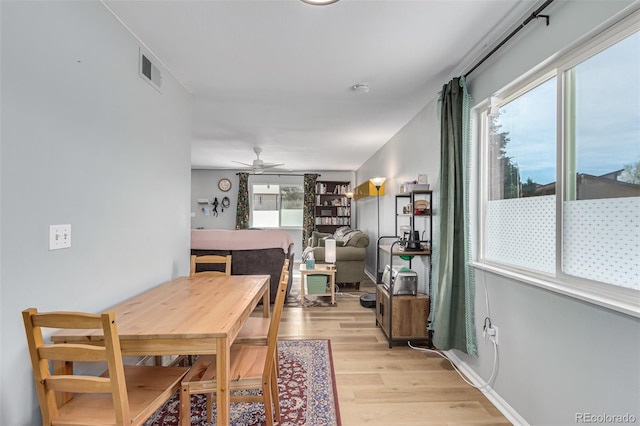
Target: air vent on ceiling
[{"x": 149, "y": 72}]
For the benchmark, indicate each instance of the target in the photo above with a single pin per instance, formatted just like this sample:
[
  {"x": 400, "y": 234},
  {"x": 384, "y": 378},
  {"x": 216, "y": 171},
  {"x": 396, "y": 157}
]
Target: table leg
[
  {"x": 302, "y": 275},
  {"x": 222, "y": 395},
  {"x": 332, "y": 283},
  {"x": 266, "y": 302}
]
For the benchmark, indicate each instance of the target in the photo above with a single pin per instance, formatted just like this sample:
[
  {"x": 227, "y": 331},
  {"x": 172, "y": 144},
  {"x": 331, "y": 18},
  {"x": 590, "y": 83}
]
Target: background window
[
  {"x": 276, "y": 205},
  {"x": 292, "y": 205}
]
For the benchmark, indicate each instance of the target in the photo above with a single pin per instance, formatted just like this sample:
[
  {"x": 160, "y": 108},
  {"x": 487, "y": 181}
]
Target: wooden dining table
[{"x": 186, "y": 316}]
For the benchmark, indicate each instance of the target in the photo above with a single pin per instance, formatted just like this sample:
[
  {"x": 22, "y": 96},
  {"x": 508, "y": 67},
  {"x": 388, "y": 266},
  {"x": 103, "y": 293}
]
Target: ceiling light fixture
[
  {"x": 319, "y": 2},
  {"x": 360, "y": 87}
]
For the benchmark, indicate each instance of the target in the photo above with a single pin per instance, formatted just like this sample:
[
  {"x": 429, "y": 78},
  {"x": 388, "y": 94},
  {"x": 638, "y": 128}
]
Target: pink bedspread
[{"x": 244, "y": 239}]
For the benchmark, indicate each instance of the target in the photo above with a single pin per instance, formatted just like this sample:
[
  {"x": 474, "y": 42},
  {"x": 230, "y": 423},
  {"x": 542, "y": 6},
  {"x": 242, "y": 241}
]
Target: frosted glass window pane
[
  {"x": 264, "y": 219},
  {"x": 602, "y": 240},
  {"x": 291, "y": 218},
  {"x": 521, "y": 232},
  {"x": 601, "y": 223}
]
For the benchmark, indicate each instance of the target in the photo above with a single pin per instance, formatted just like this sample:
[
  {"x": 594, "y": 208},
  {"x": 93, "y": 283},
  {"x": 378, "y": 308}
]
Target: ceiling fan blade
[
  {"x": 268, "y": 166},
  {"x": 244, "y": 164}
]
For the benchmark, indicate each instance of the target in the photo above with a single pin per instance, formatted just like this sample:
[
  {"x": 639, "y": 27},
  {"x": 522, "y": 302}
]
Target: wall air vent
[{"x": 149, "y": 72}]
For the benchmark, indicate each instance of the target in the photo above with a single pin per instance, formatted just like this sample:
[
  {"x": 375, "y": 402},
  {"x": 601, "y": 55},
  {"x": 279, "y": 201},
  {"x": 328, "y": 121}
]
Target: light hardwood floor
[{"x": 381, "y": 386}]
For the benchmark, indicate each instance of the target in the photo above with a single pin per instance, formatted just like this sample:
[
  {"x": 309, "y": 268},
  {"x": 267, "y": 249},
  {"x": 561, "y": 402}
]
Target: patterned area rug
[{"x": 307, "y": 392}]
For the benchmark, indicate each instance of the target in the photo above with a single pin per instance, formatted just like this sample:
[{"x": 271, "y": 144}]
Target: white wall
[
  {"x": 557, "y": 356},
  {"x": 85, "y": 141},
  {"x": 204, "y": 184},
  {"x": 414, "y": 150}
]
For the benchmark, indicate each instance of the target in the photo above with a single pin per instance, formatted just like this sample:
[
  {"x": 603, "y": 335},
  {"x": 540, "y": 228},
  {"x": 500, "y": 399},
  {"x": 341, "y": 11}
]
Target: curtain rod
[
  {"x": 534, "y": 15},
  {"x": 276, "y": 174}
]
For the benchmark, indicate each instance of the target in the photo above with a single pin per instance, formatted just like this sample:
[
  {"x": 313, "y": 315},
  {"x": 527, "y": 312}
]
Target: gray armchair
[{"x": 351, "y": 248}]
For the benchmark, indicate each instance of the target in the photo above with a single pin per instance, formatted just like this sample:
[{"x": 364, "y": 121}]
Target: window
[
  {"x": 602, "y": 166},
  {"x": 522, "y": 171},
  {"x": 562, "y": 169},
  {"x": 276, "y": 205}
]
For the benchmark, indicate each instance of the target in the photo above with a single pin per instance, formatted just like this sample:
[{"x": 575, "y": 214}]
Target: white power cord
[
  {"x": 346, "y": 294},
  {"x": 493, "y": 373},
  {"x": 337, "y": 292},
  {"x": 485, "y": 330}
]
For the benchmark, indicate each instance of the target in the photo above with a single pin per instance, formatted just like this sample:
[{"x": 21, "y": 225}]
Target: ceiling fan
[{"x": 258, "y": 165}]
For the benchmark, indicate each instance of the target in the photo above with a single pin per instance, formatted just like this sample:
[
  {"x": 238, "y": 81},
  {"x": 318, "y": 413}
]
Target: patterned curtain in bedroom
[
  {"x": 242, "y": 213},
  {"x": 453, "y": 291},
  {"x": 308, "y": 214}
]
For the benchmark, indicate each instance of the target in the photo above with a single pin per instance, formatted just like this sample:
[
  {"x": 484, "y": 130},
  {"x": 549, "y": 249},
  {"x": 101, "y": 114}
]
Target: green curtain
[
  {"x": 308, "y": 213},
  {"x": 453, "y": 291},
  {"x": 242, "y": 212}
]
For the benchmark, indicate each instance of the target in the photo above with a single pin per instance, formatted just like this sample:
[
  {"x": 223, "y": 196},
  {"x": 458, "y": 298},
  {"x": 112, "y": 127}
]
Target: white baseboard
[
  {"x": 368, "y": 274},
  {"x": 502, "y": 405}
]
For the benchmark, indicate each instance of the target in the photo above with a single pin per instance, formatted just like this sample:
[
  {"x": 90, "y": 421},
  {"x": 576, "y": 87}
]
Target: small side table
[{"x": 320, "y": 269}]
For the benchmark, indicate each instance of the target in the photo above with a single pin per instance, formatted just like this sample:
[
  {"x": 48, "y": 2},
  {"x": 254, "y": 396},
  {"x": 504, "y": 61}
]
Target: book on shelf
[{"x": 322, "y": 188}]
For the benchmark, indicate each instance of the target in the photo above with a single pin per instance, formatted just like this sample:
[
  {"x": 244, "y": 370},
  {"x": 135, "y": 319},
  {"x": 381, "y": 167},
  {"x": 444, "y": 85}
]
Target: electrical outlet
[
  {"x": 59, "y": 237},
  {"x": 492, "y": 332}
]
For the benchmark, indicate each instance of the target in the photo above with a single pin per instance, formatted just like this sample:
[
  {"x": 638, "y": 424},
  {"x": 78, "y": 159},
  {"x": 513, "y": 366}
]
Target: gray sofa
[
  {"x": 254, "y": 262},
  {"x": 260, "y": 252},
  {"x": 351, "y": 248}
]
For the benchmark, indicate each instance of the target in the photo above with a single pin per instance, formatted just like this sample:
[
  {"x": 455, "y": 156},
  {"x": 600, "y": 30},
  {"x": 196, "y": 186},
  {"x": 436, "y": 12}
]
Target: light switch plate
[{"x": 59, "y": 236}]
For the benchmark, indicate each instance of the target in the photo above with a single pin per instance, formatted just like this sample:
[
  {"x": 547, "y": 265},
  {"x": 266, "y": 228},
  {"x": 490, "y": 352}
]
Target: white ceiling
[{"x": 277, "y": 74}]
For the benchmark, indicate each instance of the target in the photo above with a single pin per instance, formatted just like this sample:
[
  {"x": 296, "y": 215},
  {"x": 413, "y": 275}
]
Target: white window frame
[{"x": 617, "y": 298}]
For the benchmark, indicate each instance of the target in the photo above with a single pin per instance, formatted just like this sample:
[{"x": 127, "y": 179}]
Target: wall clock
[{"x": 224, "y": 184}]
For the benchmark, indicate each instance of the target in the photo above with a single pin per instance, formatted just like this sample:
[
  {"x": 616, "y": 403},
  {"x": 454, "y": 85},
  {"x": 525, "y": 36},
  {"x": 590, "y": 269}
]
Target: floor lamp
[{"x": 377, "y": 182}]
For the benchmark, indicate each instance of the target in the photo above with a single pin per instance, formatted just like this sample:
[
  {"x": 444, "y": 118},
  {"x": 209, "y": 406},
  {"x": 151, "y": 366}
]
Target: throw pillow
[
  {"x": 340, "y": 232},
  {"x": 316, "y": 236}
]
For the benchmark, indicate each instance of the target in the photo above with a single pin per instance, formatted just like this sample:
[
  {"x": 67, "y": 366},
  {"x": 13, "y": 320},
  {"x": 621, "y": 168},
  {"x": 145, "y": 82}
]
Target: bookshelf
[{"x": 333, "y": 207}]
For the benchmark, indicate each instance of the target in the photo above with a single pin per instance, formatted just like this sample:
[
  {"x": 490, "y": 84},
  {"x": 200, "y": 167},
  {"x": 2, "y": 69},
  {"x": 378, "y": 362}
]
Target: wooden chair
[
  {"x": 211, "y": 259},
  {"x": 256, "y": 329},
  {"x": 123, "y": 395},
  {"x": 251, "y": 367}
]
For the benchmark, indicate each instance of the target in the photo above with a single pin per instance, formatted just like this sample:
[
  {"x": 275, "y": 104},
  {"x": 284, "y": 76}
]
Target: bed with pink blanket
[{"x": 253, "y": 251}]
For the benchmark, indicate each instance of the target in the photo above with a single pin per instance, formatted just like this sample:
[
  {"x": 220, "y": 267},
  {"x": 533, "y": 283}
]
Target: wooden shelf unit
[
  {"x": 406, "y": 319},
  {"x": 333, "y": 207}
]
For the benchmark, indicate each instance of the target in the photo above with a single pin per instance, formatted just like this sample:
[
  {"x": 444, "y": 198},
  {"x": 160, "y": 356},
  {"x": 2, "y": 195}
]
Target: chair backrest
[
  {"x": 284, "y": 274},
  {"x": 211, "y": 259},
  {"x": 274, "y": 325},
  {"x": 48, "y": 383}
]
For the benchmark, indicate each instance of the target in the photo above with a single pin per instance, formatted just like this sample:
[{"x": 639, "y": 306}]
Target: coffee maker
[{"x": 414, "y": 242}]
